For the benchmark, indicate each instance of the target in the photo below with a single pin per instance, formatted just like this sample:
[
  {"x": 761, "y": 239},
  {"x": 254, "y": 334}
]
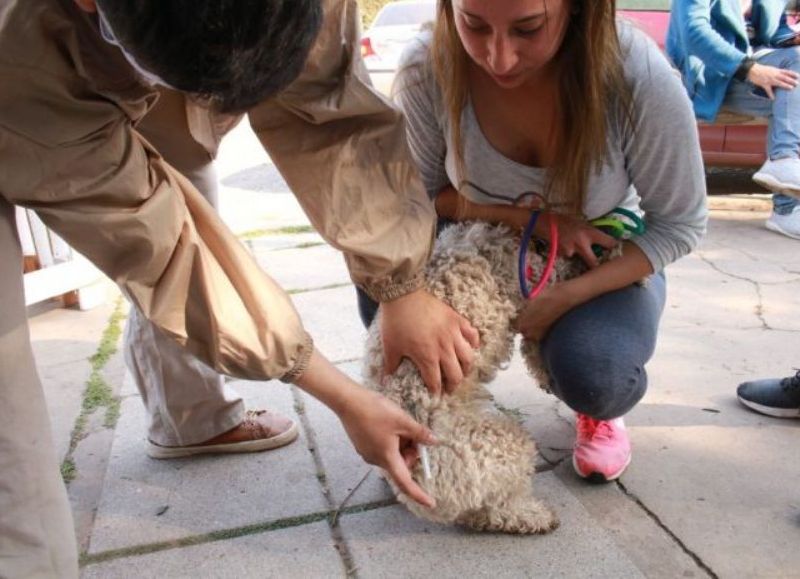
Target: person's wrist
[
  {"x": 401, "y": 298},
  {"x": 349, "y": 400},
  {"x": 328, "y": 384}
]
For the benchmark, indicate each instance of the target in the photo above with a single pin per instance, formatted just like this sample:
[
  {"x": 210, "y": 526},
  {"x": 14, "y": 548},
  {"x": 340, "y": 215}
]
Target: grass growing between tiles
[{"x": 98, "y": 394}]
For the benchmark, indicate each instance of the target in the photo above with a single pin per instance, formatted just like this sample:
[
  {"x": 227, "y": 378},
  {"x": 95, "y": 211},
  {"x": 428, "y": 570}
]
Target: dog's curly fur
[{"x": 483, "y": 466}]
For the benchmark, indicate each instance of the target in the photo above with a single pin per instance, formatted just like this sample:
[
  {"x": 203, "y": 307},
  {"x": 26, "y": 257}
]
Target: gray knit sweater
[{"x": 654, "y": 167}]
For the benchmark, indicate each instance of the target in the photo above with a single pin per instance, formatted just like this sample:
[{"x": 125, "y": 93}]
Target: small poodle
[{"x": 483, "y": 467}]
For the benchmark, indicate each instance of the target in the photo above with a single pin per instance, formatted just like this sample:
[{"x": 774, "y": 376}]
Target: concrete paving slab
[
  {"x": 253, "y": 195},
  {"x": 262, "y": 177},
  {"x": 390, "y": 542},
  {"x": 202, "y": 494},
  {"x": 304, "y": 269},
  {"x": 699, "y": 295},
  {"x": 238, "y": 150},
  {"x": 91, "y": 461},
  {"x": 656, "y": 552},
  {"x": 744, "y": 232},
  {"x": 302, "y": 552},
  {"x": 267, "y": 241},
  {"x": 63, "y": 339},
  {"x": 245, "y": 211},
  {"x": 725, "y": 490},
  {"x": 331, "y": 317},
  {"x": 710, "y": 471},
  {"x": 128, "y": 386},
  {"x": 780, "y": 304},
  {"x": 344, "y": 468}
]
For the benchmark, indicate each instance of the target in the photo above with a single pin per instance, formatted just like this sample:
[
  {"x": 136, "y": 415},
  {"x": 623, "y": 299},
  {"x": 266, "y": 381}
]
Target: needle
[{"x": 426, "y": 461}]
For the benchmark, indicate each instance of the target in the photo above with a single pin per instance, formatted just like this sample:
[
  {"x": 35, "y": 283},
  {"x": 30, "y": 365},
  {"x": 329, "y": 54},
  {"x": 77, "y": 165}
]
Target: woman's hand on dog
[
  {"x": 540, "y": 313},
  {"x": 432, "y": 335},
  {"x": 380, "y": 431},
  {"x": 576, "y": 236},
  {"x": 385, "y": 436}
]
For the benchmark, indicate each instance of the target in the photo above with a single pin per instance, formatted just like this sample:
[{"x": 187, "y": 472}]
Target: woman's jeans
[
  {"x": 596, "y": 352},
  {"x": 783, "y": 113}
]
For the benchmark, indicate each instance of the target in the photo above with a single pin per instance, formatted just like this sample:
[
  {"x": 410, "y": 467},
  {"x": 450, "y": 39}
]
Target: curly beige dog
[{"x": 483, "y": 467}]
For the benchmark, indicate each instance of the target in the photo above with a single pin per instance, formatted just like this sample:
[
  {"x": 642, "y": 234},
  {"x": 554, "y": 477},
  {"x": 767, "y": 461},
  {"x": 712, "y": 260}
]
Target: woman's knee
[{"x": 600, "y": 388}]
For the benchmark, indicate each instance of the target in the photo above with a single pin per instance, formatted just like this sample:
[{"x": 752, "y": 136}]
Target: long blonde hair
[{"x": 591, "y": 82}]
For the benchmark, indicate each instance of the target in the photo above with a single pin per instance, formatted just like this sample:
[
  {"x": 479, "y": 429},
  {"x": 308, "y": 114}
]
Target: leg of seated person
[{"x": 781, "y": 172}]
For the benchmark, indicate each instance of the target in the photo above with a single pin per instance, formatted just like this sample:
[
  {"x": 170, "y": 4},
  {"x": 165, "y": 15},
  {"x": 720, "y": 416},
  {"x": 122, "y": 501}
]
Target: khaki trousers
[
  {"x": 187, "y": 401},
  {"x": 37, "y": 537}
]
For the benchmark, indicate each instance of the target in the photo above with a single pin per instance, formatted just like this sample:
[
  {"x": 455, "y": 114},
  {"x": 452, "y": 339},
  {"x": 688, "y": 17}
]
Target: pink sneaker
[{"x": 602, "y": 449}]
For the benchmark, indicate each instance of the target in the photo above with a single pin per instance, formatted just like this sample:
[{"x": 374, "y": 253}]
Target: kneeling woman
[{"x": 509, "y": 101}]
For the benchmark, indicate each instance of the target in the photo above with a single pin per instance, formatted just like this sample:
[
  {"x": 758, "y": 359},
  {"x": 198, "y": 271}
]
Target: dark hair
[{"x": 231, "y": 53}]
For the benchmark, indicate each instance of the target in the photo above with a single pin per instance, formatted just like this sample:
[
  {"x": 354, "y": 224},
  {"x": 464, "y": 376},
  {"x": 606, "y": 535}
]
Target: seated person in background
[{"x": 742, "y": 55}]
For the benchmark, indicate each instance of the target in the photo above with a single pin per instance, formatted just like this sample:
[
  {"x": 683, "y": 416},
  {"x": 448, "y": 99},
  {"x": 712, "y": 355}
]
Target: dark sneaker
[{"x": 774, "y": 397}]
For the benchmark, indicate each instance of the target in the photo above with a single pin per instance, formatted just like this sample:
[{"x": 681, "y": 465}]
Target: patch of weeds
[
  {"x": 108, "y": 342},
  {"x": 112, "y": 413},
  {"x": 514, "y": 413},
  {"x": 98, "y": 393},
  {"x": 288, "y": 230},
  {"x": 68, "y": 470}
]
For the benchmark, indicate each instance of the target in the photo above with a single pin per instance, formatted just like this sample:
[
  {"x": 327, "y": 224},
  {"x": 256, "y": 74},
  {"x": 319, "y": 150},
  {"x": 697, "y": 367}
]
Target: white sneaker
[
  {"x": 781, "y": 175},
  {"x": 788, "y": 224}
]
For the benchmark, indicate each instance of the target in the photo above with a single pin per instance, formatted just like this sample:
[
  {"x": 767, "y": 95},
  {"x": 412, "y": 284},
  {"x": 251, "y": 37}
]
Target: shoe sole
[
  {"x": 771, "y": 411},
  {"x": 282, "y": 439},
  {"x": 777, "y": 229},
  {"x": 597, "y": 477},
  {"x": 769, "y": 182}
]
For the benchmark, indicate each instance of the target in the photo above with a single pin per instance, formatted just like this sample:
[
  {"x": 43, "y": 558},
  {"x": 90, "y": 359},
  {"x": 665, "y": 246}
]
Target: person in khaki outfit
[{"x": 79, "y": 116}]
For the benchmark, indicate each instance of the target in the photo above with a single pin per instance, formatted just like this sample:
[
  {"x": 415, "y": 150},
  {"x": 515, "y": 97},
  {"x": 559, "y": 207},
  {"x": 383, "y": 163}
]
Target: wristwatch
[{"x": 744, "y": 68}]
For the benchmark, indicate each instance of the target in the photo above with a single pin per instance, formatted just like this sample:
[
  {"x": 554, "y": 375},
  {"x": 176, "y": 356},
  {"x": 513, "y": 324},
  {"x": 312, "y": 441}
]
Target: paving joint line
[
  {"x": 227, "y": 534},
  {"x": 297, "y": 291},
  {"x": 339, "y": 541},
  {"x": 657, "y": 520}
]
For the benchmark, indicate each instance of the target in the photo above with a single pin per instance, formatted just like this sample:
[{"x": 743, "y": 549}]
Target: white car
[{"x": 396, "y": 24}]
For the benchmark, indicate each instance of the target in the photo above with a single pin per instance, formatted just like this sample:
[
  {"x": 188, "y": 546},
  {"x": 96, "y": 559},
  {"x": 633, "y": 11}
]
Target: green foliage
[
  {"x": 288, "y": 230},
  {"x": 68, "y": 471},
  {"x": 369, "y": 8},
  {"x": 112, "y": 413},
  {"x": 98, "y": 393}
]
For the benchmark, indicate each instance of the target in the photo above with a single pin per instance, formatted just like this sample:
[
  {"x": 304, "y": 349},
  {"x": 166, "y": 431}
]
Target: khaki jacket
[{"x": 69, "y": 148}]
